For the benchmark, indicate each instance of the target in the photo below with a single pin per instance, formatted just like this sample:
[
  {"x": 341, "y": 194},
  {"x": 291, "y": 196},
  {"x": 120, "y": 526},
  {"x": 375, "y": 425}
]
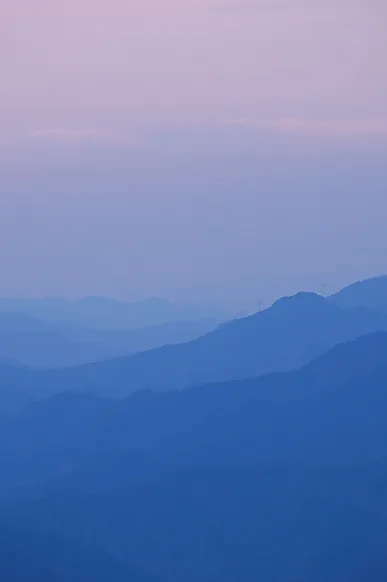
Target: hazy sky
[{"x": 194, "y": 149}]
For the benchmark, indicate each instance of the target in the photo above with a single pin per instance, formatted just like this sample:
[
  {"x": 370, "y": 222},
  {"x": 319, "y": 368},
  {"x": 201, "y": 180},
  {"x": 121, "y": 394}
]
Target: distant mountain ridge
[
  {"x": 109, "y": 314},
  {"x": 57, "y": 332},
  {"x": 42, "y": 343},
  {"x": 286, "y": 336},
  {"x": 369, "y": 293}
]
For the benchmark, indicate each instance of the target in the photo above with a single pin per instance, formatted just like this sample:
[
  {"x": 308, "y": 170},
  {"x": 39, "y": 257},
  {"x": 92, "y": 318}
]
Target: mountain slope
[
  {"x": 370, "y": 293},
  {"x": 286, "y": 336},
  {"x": 331, "y": 412},
  {"x": 155, "y": 336},
  {"x": 39, "y": 343},
  {"x": 33, "y": 342},
  {"x": 279, "y": 478}
]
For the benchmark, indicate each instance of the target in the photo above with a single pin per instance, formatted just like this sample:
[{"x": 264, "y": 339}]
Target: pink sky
[
  {"x": 102, "y": 64},
  {"x": 212, "y": 149}
]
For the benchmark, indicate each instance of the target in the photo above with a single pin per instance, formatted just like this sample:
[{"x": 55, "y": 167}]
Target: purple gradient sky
[{"x": 195, "y": 149}]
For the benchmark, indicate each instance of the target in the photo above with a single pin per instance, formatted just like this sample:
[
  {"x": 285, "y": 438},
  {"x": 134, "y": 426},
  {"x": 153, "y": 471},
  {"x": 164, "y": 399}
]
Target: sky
[{"x": 201, "y": 150}]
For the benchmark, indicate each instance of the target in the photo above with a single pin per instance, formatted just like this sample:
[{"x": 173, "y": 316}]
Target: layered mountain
[
  {"x": 330, "y": 412},
  {"x": 109, "y": 314},
  {"x": 278, "y": 478},
  {"x": 286, "y": 336},
  {"x": 34, "y": 342},
  {"x": 38, "y": 343}
]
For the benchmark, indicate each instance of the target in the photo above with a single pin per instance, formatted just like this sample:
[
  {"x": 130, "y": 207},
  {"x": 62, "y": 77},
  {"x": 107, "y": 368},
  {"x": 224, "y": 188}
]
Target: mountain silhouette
[
  {"x": 331, "y": 412},
  {"x": 34, "y": 342},
  {"x": 286, "y": 336},
  {"x": 370, "y": 293},
  {"x": 277, "y": 478}
]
